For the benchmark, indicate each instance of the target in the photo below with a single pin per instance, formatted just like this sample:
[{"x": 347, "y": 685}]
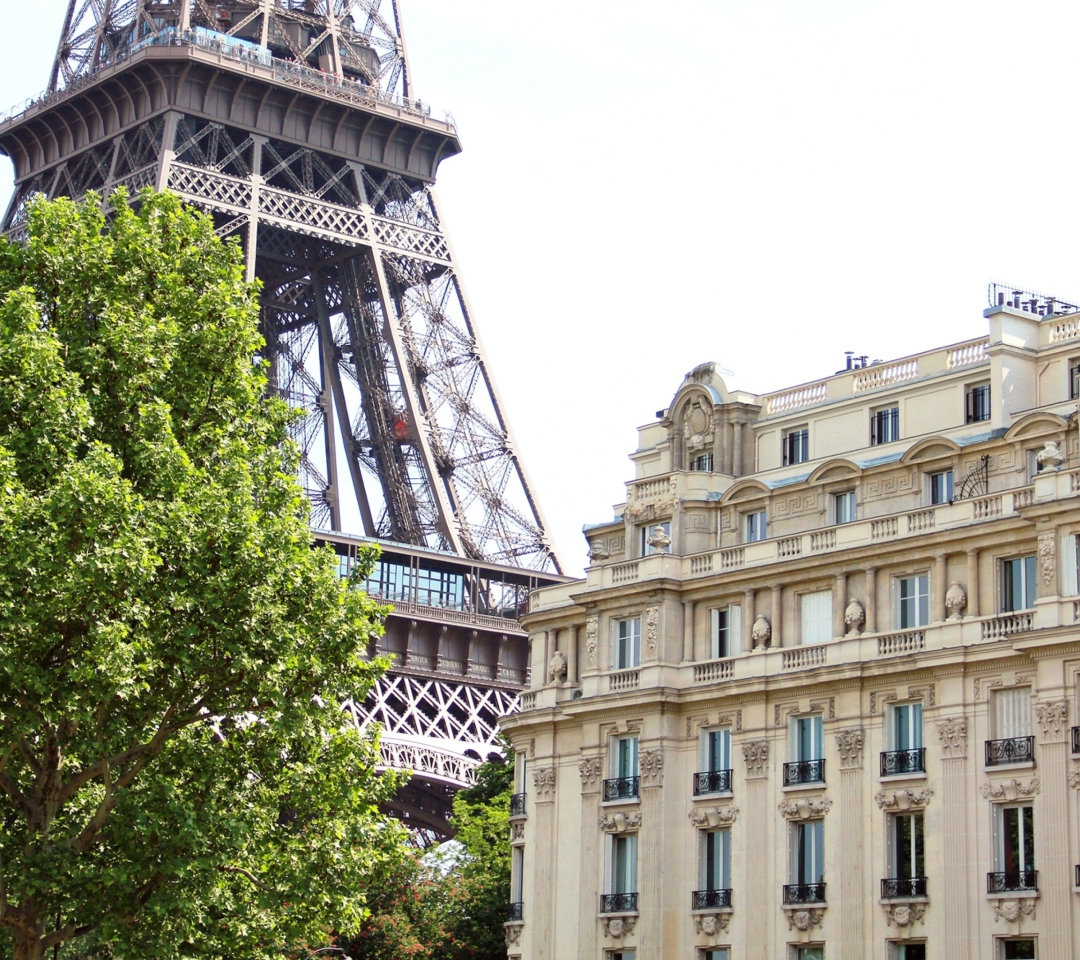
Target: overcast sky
[{"x": 764, "y": 183}]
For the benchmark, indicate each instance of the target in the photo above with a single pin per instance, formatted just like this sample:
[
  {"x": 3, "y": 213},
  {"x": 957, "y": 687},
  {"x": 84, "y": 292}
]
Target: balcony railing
[
  {"x": 712, "y": 781},
  {"x": 621, "y": 788},
  {"x": 1010, "y": 750},
  {"x": 903, "y": 888},
  {"x": 804, "y": 893},
  {"x": 517, "y": 805},
  {"x": 1076, "y": 739},
  {"x": 515, "y": 912},
  {"x": 708, "y": 899},
  {"x": 804, "y": 771},
  {"x": 897, "y": 762},
  {"x": 1010, "y": 881},
  {"x": 618, "y": 903}
]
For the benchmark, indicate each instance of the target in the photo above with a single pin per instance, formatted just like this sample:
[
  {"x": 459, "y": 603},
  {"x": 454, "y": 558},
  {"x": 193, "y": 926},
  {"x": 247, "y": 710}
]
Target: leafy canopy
[{"x": 175, "y": 777}]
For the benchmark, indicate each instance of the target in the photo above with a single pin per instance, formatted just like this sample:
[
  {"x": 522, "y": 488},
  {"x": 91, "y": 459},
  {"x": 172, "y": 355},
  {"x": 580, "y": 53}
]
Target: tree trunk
[{"x": 28, "y": 948}]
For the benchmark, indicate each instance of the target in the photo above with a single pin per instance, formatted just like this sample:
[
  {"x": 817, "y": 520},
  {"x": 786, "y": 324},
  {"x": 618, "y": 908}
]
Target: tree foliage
[{"x": 175, "y": 777}]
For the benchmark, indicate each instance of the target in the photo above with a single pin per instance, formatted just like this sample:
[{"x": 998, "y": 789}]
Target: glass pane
[
  {"x": 1010, "y": 817},
  {"x": 1010, "y": 598},
  {"x": 1019, "y": 950},
  {"x": 1029, "y": 583},
  {"x": 1027, "y": 821},
  {"x": 811, "y": 953}
]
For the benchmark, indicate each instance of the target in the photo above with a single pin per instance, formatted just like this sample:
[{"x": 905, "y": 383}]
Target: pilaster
[
  {"x": 542, "y": 916},
  {"x": 651, "y": 855},
  {"x": 758, "y": 931},
  {"x": 853, "y": 882},
  {"x": 956, "y": 887},
  {"x": 591, "y": 770},
  {"x": 1052, "y": 831}
]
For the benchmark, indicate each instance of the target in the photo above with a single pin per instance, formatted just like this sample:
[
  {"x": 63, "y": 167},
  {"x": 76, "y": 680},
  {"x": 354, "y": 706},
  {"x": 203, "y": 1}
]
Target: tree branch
[
  {"x": 64, "y": 934},
  {"x": 247, "y": 875}
]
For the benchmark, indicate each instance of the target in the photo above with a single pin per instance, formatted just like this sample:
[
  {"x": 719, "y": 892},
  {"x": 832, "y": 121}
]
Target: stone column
[
  {"x": 551, "y": 644},
  {"x": 688, "y": 631},
  {"x": 747, "y": 639},
  {"x": 650, "y": 879},
  {"x": 870, "y": 601},
  {"x": 853, "y": 883},
  {"x": 572, "y": 655},
  {"x": 591, "y": 874},
  {"x": 777, "y": 615},
  {"x": 544, "y": 855},
  {"x": 839, "y": 605},
  {"x": 760, "y": 900},
  {"x": 1054, "y": 852},
  {"x": 955, "y": 887},
  {"x": 972, "y": 584},
  {"x": 736, "y": 452},
  {"x": 938, "y": 588}
]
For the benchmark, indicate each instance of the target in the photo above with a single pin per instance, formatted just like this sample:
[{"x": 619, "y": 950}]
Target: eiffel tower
[{"x": 294, "y": 124}]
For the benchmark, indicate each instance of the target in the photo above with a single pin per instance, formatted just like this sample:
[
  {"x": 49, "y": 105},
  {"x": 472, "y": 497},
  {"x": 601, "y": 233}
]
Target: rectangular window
[
  {"x": 1014, "y": 840},
  {"x": 885, "y": 426},
  {"x": 621, "y": 955},
  {"x": 808, "y": 953},
  {"x": 977, "y": 403},
  {"x": 521, "y": 763},
  {"x": 1018, "y": 949},
  {"x": 715, "y": 867},
  {"x": 908, "y": 951},
  {"x": 623, "y": 864},
  {"x": 941, "y": 487},
  {"x": 797, "y": 446},
  {"x": 905, "y": 726},
  {"x": 624, "y": 757},
  {"x": 627, "y": 644},
  {"x": 1017, "y": 584},
  {"x": 646, "y": 549},
  {"x": 726, "y": 637},
  {"x": 844, "y": 507},
  {"x": 755, "y": 526},
  {"x": 1074, "y": 380},
  {"x": 715, "y": 953},
  {"x": 517, "y": 871},
  {"x": 906, "y": 846},
  {"x": 716, "y": 750},
  {"x": 1012, "y": 713},
  {"x": 806, "y": 738},
  {"x": 1070, "y": 566},
  {"x": 808, "y": 852},
  {"x": 816, "y": 624},
  {"x": 701, "y": 463},
  {"x": 912, "y": 601}
]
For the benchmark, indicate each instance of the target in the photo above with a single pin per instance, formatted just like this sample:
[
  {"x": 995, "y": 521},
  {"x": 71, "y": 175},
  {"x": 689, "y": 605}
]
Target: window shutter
[
  {"x": 1013, "y": 713},
  {"x": 714, "y": 635},
  {"x": 734, "y": 629},
  {"x": 1068, "y": 566},
  {"x": 816, "y": 617}
]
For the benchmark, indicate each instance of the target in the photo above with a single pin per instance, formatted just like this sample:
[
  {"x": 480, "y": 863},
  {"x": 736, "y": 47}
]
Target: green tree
[{"x": 176, "y": 780}]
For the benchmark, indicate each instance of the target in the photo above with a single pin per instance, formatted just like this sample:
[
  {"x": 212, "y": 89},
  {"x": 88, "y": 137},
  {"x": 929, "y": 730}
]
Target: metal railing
[
  {"x": 804, "y": 771},
  {"x": 896, "y": 762},
  {"x": 804, "y": 893},
  {"x": 710, "y": 899},
  {"x": 902, "y": 888},
  {"x": 618, "y": 903},
  {"x": 1010, "y": 750},
  {"x": 712, "y": 781},
  {"x": 1011, "y": 881},
  {"x": 621, "y": 788},
  {"x": 515, "y": 912},
  {"x": 517, "y": 805}
]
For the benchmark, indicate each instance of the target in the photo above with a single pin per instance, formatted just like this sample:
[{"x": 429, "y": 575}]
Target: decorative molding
[
  {"x": 710, "y": 924},
  {"x": 803, "y": 919},
  {"x": 544, "y": 782},
  {"x": 619, "y": 927},
  {"x": 850, "y": 744},
  {"x": 733, "y": 720},
  {"x": 1047, "y": 562},
  {"x": 620, "y": 822},
  {"x": 927, "y": 693},
  {"x": 517, "y": 830},
  {"x": 590, "y": 769},
  {"x": 756, "y": 755},
  {"x": 985, "y": 685},
  {"x": 854, "y": 618},
  {"x": 804, "y": 808},
  {"x": 652, "y": 768},
  {"x": 1074, "y": 779},
  {"x": 955, "y": 601},
  {"x": 903, "y": 799},
  {"x": 880, "y": 698},
  {"x": 652, "y": 629},
  {"x": 1053, "y": 717},
  {"x": 827, "y": 707},
  {"x": 952, "y": 732},
  {"x": 592, "y": 631},
  {"x": 713, "y": 816},
  {"x": 1012, "y": 911},
  {"x": 904, "y": 914},
  {"x": 513, "y": 932},
  {"x": 1009, "y": 790}
]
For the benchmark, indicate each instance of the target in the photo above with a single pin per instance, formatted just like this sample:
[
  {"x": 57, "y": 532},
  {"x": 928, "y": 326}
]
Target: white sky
[{"x": 764, "y": 183}]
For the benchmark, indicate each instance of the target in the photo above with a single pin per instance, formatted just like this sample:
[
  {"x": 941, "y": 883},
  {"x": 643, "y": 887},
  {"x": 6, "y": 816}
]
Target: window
[
  {"x": 808, "y": 953},
  {"x": 905, "y": 726},
  {"x": 912, "y": 601},
  {"x": 1012, "y": 713},
  {"x": 1074, "y": 379},
  {"x": 517, "y": 872},
  {"x": 755, "y": 526},
  {"x": 906, "y": 849},
  {"x": 941, "y": 487},
  {"x": 721, "y": 953},
  {"x": 908, "y": 951},
  {"x": 1017, "y": 949},
  {"x": 1070, "y": 566},
  {"x": 645, "y": 548},
  {"x": 816, "y": 608},
  {"x": 627, "y": 644},
  {"x": 808, "y": 852},
  {"x": 715, "y": 865},
  {"x": 1014, "y": 845},
  {"x": 701, "y": 463},
  {"x": 806, "y": 738},
  {"x": 716, "y": 750},
  {"x": 521, "y": 763},
  {"x": 797, "y": 446},
  {"x": 726, "y": 637},
  {"x": 844, "y": 507},
  {"x": 977, "y": 403},
  {"x": 1017, "y": 584},
  {"x": 624, "y": 758},
  {"x": 885, "y": 425},
  {"x": 621, "y": 955},
  {"x": 623, "y": 878}
]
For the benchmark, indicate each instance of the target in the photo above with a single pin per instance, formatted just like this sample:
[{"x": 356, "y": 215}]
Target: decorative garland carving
[
  {"x": 620, "y": 822},
  {"x": 592, "y": 629},
  {"x": 619, "y": 927},
  {"x": 544, "y": 782},
  {"x": 903, "y": 799},
  {"x": 590, "y": 769},
  {"x": 1012, "y": 911},
  {"x": 652, "y": 768},
  {"x": 1053, "y": 717},
  {"x": 805, "y": 807},
  {"x": 803, "y": 920},
  {"x": 652, "y": 629},
  {"x": 904, "y": 914},
  {"x": 850, "y": 744},
  {"x": 756, "y": 755},
  {"x": 710, "y": 924},
  {"x": 1009, "y": 790},
  {"x": 713, "y": 816},
  {"x": 952, "y": 732}
]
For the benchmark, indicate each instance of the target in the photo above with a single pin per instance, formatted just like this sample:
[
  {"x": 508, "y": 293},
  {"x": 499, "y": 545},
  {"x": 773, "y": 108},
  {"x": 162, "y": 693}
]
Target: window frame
[
  {"x": 1000, "y": 942},
  {"x": 706, "y": 753},
  {"x": 632, "y": 754},
  {"x": 1073, "y": 367},
  {"x": 916, "y": 842},
  {"x": 809, "y": 631},
  {"x": 1000, "y": 840},
  {"x": 884, "y": 421},
  {"x": 517, "y": 873},
  {"x": 896, "y": 945},
  {"x": 725, "y": 631},
  {"x": 950, "y": 487},
  {"x": 808, "y": 730},
  {"x": 799, "y": 951},
  {"x": 914, "y": 723},
  {"x": 630, "y": 644},
  {"x": 707, "y": 863},
  {"x": 919, "y": 601},
  {"x": 1027, "y": 583},
  {"x": 618, "y": 872},
  {"x": 701, "y": 463},
  {"x": 751, "y": 520},
  {"x": 977, "y": 397},
  {"x": 795, "y": 445},
  {"x": 812, "y": 865},
  {"x": 1019, "y": 717},
  {"x": 848, "y": 497}
]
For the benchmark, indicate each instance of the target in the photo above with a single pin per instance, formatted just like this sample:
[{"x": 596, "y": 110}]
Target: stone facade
[{"x": 888, "y": 662}]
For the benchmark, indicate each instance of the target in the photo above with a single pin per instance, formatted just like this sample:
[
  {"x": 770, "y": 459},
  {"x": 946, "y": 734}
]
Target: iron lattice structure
[{"x": 293, "y": 123}]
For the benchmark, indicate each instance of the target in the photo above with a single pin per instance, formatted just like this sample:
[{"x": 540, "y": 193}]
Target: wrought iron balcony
[
  {"x": 621, "y": 788},
  {"x": 1011, "y": 750},
  {"x": 707, "y": 899},
  {"x": 897, "y": 762},
  {"x": 517, "y": 805},
  {"x": 515, "y": 912},
  {"x": 712, "y": 781},
  {"x": 804, "y": 771},
  {"x": 804, "y": 893},
  {"x": 1010, "y": 881},
  {"x": 618, "y": 903},
  {"x": 902, "y": 888},
  {"x": 1076, "y": 739}
]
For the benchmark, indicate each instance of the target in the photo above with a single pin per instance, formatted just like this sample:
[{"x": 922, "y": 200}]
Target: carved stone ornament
[
  {"x": 756, "y": 755},
  {"x": 592, "y": 630},
  {"x": 652, "y": 768},
  {"x": 669, "y": 500},
  {"x": 713, "y": 816},
  {"x": 710, "y": 924},
  {"x": 697, "y": 424},
  {"x": 598, "y": 550},
  {"x": 1053, "y": 718},
  {"x": 1047, "y": 548},
  {"x": 850, "y": 744},
  {"x": 805, "y": 807},
  {"x": 904, "y": 914},
  {"x": 517, "y": 830},
  {"x": 1012, "y": 911},
  {"x": 652, "y": 629},
  {"x": 634, "y": 507},
  {"x": 1050, "y": 456},
  {"x": 619, "y": 927},
  {"x": 803, "y": 920},
  {"x": 590, "y": 769},
  {"x": 659, "y": 540},
  {"x": 513, "y": 933},
  {"x": 955, "y": 601},
  {"x": 620, "y": 822},
  {"x": 1074, "y": 779},
  {"x": 1010, "y": 790},
  {"x": 544, "y": 782},
  {"x": 952, "y": 732},
  {"x": 854, "y": 618},
  {"x": 903, "y": 799},
  {"x": 557, "y": 668},
  {"x": 762, "y": 632}
]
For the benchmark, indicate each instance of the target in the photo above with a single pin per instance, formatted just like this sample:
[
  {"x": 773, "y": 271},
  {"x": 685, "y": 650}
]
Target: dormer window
[
  {"x": 977, "y": 403},
  {"x": 701, "y": 463},
  {"x": 884, "y": 426},
  {"x": 796, "y": 445}
]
